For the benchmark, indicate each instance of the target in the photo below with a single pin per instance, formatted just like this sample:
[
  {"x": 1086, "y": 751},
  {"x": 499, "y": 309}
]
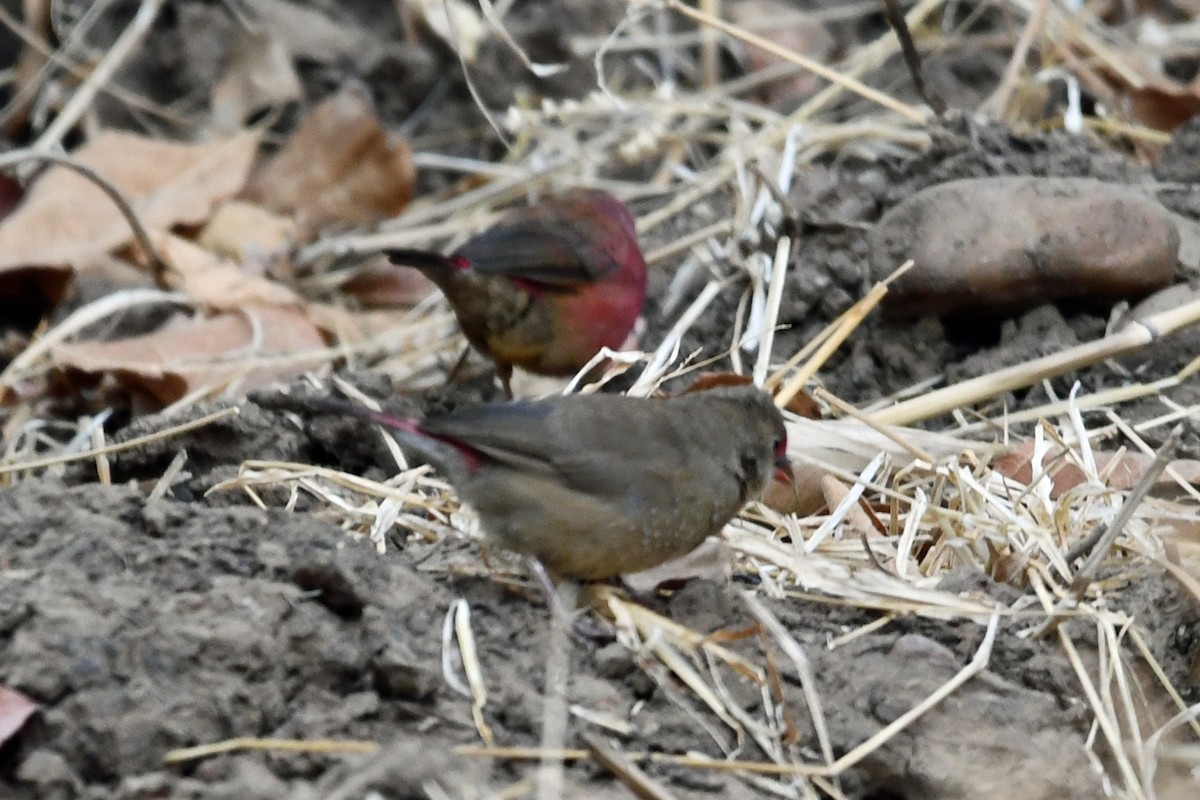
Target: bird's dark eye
[{"x": 780, "y": 446}]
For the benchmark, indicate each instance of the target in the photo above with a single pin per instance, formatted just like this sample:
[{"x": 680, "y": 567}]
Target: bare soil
[{"x": 140, "y": 627}]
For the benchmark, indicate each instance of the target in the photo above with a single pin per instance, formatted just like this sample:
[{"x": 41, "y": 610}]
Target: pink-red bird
[
  {"x": 547, "y": 286},
  {"x": 595, "y": 486}
]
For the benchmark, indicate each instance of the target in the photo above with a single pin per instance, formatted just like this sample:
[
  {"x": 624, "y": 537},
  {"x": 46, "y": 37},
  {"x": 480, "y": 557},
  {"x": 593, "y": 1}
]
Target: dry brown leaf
[
  {"x": 11, "y": 194},
  {"x": 856, "y": 520},
  {"x": 28, "y": 71},
  {"x": 456, "y": 22},
  {"x": 382, "y": 285},
  {"x": 1017, "y": 464},
  {"x": 249, "y": 235},
  {"x": 65, "y": 218},
  {"x": 1161, "y": 102},
  {"x": 309, "y": 33},
  {"x": 247, "y": 349},
  {"x": 340, "y": 166},
  {"x": 712, "y": 560},
  {"x": 802, "y": 404},
  {"x": 216, "y": 282},
  {"x": 15, "y": 711},
  {"x": 346, "y": 326},
  {"x": 802, "y": 497},
  {"x": 258, "y": 76},
  {"x": 792, "y": 28}
]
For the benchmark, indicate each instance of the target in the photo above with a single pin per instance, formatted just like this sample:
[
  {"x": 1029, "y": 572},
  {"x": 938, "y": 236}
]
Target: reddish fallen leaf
[
  {"x": 1017, "y": 464},
  {"x": 802, "y": 404},
  {"x": 66, "y": 219},
  {"x": 216, "y": 282},
  {"x": 856, "y": 520},
  {"x": 381, "y": 285},
  {"x": 340, "y": 166},
  {"x": 791, "y": 28},
  {"x": 15, "y": 711},
  {"x": 804, "y": 496},
  {"x": 250, "y": 349}
]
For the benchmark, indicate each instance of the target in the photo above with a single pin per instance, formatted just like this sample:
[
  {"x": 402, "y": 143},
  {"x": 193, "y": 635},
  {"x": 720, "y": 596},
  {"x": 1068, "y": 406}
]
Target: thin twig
[
  {"x": 113, "y": 58},
  {"x": 1098, "y": 543},
  {"x": 623, "y": 768},
  {"x": 912, "y": 59},
  {"x": 16, "y": 157},
  {"x": 815, "y": 67}
]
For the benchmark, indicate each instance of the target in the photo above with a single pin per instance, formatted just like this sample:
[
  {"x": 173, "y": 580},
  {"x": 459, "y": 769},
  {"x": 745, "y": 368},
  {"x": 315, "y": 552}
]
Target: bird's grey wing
[
  {"x": 513, "y": 434},
  {"x": 547, "y": 251},
  {"x": 599, "y": 444}
]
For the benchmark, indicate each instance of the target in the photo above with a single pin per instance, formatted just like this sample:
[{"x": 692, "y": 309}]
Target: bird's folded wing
[
  {"x": 573, "y": 449},
  {"x": 547, "y": 252}
]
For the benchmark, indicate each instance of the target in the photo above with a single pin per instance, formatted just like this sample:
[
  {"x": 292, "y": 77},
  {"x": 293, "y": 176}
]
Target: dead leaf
[
  {"x": 1163, "y": 104},
  {"x": 247, "y": 349},
  {"x": 1017, "y": 465},
  {"x": 856, "y": 520},
  {"x": 65, "y": 218},
  {"x": 802, "y": 404},
  {"x": 352, "y": 326},
  {"x": 248, "y": 234},
  {"x": 803, "y": 497},
  {"x": 258, "y": 76},
  {"x": 712, "y": 559},
  {"x": 15, "y": 711},
  {"x": 1160, "y": 101},
  {"x": 382, "y": 285},
  {"x": 340, "y": 166},
  {"x": 11, "y": 194},
  {"x": 791, "y": 28},
  {"x": 216, "y": 282},
  {"x": 29, "y": 68},
  {"x": 308, "y": 33},
  {"x": 458, "y": 24}
]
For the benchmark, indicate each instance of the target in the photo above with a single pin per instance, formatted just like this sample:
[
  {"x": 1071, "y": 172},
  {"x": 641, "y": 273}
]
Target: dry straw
[{"x": 920, "y": 504}]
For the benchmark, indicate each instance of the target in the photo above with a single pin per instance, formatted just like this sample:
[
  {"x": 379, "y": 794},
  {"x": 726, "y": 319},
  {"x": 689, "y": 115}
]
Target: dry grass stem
[
  {"x": 120, "y": 447},
  {"x": 100, "y": 75},
  {"x": 279, "y": 745},
  {"x": 623, "y": 768},
  {"x": 1137, "y": 335}
]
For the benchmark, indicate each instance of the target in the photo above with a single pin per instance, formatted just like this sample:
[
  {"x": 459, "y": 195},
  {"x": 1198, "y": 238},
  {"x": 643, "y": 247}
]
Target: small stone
[
  {"x": 50, "y": 773},
  {"x": 613, "y": 661},
  {"x": 339, "y": 589},
  {"x": 397, "y": 676}
]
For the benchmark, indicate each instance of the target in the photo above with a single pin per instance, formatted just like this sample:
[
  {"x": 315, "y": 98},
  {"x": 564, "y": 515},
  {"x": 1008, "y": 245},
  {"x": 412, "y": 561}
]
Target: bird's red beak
[
  {"x": 783, "y": 470},
  {"x": 783, "y": 466}
]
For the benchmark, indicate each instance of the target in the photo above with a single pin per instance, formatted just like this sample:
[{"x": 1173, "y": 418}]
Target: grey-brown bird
[{"x": 595, "y": 486}]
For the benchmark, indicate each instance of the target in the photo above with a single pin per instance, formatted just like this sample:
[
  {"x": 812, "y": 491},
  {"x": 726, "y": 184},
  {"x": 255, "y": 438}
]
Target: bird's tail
[
  {"x": 424, "y": 260},
  {"x": 335, "y": 406},
  {"x": 452, "y": 459}
]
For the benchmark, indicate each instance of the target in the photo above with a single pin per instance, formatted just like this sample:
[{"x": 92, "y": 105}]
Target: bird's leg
[
  {"x": 553, "y": 598},
  {"x": 581, "y": 628},
  {"x": 504, "y": 373},
  {"x": 452, "y": 375}
]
